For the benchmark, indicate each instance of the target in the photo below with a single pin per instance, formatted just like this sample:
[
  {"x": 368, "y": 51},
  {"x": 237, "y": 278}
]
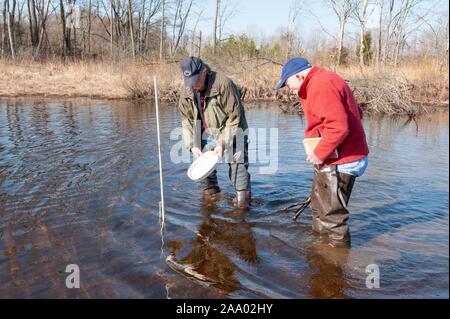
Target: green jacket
[{"x": 224, "y": 113}]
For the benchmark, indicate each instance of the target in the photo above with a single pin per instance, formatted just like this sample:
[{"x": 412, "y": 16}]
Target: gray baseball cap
[{"x": 191, "y": 67}]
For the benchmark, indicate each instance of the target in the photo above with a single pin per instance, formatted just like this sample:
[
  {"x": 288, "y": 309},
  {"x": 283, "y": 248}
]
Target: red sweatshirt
[{"x": 332, "y": 113}]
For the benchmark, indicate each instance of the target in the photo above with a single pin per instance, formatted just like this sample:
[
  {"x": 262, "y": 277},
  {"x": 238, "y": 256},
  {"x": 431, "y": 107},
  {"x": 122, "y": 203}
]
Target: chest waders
[{"x": 329, "y": 198}]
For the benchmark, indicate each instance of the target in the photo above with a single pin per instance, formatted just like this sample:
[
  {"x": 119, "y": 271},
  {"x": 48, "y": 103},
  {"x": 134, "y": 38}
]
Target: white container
[{"x": 203, "y": 166}]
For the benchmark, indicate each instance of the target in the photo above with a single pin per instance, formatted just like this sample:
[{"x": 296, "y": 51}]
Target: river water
[{"x": 79, "y": 185}]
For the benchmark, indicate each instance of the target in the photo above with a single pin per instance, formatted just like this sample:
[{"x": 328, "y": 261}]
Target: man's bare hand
[
  {"x": 314, "y": 159},
  {"x": 218, "y": 150},
  {"x": 196, "y": 151}
]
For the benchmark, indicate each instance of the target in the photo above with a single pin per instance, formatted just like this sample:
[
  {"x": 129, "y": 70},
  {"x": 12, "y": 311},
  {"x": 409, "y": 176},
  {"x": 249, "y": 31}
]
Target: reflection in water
[
  {"x": 327, "y": 278},
  {"x": 206, "y": 260},
  {"x": 79, "y": 185}
]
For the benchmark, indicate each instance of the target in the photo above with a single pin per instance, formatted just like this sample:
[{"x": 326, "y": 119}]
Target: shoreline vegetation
[
  {"x": 409, "y": 89},
  {"x": 393, "y": 54}
]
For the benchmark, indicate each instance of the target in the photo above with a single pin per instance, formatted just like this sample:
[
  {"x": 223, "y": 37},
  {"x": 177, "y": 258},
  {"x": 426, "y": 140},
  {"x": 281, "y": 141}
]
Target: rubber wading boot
[
  {"x": 340, "y": 242},
  {"x": 317, "y": 227},
  {"x": 211, "y": 191},
  {"x": 210, "y": 185},
  {"x": 243, "y": 199}
]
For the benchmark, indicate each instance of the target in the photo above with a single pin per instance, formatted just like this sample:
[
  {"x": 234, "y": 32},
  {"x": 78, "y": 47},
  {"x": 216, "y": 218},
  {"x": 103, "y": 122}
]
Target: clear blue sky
[
  {"x": 254, "y": 16},
  {"x": 268, "y": 16}
]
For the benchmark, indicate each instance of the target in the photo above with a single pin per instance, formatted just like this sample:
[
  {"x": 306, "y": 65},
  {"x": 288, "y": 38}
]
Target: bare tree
[
  {"x": 388, "y": 32},
  {"x": 111, "y": 32},
  {"x": 216, "y": 26},
  {"x": 343, "y": 10},
  {"x": 446, "y": 43},
  {"x": 407, "y": 23},
  {"x": 67, "y": 48},
  {"x": 150, "y": 8},
  {"x": 398, "y": 26},
  {"x": 361, "y": 14},
  {"x": 434, "y": 38},
  {"x": 10, "y": 25},
  {"x": 130, "y": 24},
  {"x": 138, "y": 28},
  {"x": 44, "y": 11},
  {"x": 295, "y": 9},
  {"x": 89, "y": 25},
  {"x": 379, "y": 33},
  {"x": 228, "y": 10},
  {"x": 33, "y": 25},
  {"x": 3, "y": 38},
  {"x": 403, "y": 13},
  {"x": 163, "y": 32},
  {"x": 179, "y": 22},
  {"x": 194, "y": 47}
]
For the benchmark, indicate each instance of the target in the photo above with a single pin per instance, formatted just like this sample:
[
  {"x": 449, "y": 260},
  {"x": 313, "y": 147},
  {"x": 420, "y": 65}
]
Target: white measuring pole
[{"x": 161, "y": 203}]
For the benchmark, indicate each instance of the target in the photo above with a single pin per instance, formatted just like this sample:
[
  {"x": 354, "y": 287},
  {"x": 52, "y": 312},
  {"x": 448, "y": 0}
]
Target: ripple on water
[{"x": 79, "y": 183}]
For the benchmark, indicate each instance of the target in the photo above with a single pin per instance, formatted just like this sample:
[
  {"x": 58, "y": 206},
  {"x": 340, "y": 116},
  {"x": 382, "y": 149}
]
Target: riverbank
[{"x": 408, "y": 89}]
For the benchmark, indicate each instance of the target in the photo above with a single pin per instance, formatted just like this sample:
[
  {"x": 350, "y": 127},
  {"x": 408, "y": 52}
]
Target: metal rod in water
[{"x": 161, "y": 208}]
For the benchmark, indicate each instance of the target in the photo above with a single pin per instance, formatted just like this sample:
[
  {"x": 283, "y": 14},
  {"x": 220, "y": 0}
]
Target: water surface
[{"x": 79, "y": 184}]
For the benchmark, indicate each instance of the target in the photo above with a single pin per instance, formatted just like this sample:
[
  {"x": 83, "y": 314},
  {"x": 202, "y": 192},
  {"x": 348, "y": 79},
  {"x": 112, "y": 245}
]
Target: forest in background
[{"x": 111, "y": 48}]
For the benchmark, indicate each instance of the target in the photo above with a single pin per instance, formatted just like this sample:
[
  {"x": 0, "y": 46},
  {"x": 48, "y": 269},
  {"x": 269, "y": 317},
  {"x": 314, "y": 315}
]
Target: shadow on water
[{"x": 79, "y": 184}]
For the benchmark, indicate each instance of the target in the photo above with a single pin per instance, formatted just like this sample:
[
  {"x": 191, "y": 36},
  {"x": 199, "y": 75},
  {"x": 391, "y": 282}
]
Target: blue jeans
[{"x": 356, "y": 168}]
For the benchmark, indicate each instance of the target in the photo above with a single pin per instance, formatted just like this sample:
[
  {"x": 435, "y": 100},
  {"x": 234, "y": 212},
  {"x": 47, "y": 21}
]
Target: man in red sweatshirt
[{"x": 331, "y": 113}]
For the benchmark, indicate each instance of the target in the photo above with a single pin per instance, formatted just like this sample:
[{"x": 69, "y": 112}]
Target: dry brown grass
[
  {"x": 387, "y": 91},
  {"x": 87, "y": 79},
  {"x": 79, "y": 79},
  {"x": 409, "y": 89}
]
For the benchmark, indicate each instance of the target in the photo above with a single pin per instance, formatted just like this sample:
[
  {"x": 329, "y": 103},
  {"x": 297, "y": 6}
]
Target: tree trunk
[
  {"x": 216, "y": 20},
  {"x": 4, "y": 29},
  {"x": 43, "y": 32},
  {"x": 199, "y": 44},
  {"x": 398, "y": 47},
  {"x": 14, "y": 25},
  {"x": 172, "y": 42},
  {"x": 341, "y": 41},
  {"x": 141, "y": 28},
  {"x": 35, "y": 24},
  {"x": 380, "y": 34},
  {"x": 400, "y": 29},
  {"x": 361, "y": 46},
  {"x": 130, "y": 23},
  {"x": 10, "y": 26},
  {"x": 66, "y": 35},
  {"x": 111, "y": 29},
  {"x": 30, "y": 23},
  {"x": 161, "y": 38},
  {"x": 446, "y": 46},
  {"x": 74, "y": 29},
  {"x": 361, "y": 35},
  {"x": 387, "y": 42},
  {"x": 89, "y": 27}
]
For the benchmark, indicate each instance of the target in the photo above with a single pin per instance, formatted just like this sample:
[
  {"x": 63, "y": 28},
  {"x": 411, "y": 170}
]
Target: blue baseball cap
[
  {"x": 191, "y": 67},
  {"x": 293, "y": 66}
]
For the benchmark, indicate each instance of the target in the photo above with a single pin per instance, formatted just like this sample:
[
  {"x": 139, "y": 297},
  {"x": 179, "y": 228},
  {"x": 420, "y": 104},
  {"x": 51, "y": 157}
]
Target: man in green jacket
[{"x": 211, "y": 110}]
